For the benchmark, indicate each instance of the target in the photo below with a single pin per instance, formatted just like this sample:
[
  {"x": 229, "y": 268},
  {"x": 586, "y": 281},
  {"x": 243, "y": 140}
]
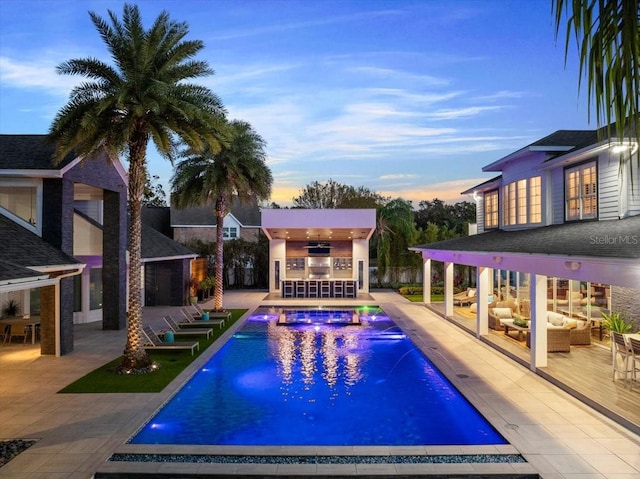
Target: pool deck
[{"x": 559, "y": 436}]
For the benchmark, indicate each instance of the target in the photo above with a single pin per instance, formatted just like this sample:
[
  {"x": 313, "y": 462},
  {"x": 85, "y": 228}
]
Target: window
[
  {"x": 522, "y": 201},
  {"x": 491, "y": 209},
  {"x": 535, "y": 200},
  {"x": 21, "y": 201},
  {"x": 581, "y": 192},
  {"x": 229, "y": 232}
]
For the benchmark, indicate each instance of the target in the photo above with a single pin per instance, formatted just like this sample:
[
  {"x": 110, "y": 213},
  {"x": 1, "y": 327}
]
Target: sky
[{"x": 408, "y": 98}]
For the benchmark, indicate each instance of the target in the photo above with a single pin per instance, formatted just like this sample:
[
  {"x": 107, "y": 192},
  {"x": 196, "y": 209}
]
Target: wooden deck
[{"x": 585, "y": 372}]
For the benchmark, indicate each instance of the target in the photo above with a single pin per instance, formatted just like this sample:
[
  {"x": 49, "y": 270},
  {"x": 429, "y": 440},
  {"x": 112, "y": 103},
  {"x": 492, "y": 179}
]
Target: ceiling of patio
[{"x": 319, "y": 234}]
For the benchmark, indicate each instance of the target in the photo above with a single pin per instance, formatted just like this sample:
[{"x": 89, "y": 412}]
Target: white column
[
  {"x": 56, "y": 309},
  {"x": 448, "y": 288},
  {"x": 538, "y": 324},
  {"x": 426, "y": 281},
  {"x": 482, "y": 292}
]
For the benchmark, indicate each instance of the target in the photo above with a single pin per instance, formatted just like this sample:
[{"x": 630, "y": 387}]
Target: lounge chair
[
  {"x": 177, "y": 331},
  {"x": 465, "y": 297},
  {"x": 155, "y": 343},
  {"x": 191, "y": 322}
]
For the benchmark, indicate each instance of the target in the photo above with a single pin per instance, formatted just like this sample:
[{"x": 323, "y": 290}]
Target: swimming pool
[{"x": 321, "y": 380}]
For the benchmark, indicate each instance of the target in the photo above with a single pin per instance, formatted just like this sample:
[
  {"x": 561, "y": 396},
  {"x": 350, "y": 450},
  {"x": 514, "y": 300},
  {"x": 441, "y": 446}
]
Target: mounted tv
[{"x": 317, "y": 248}]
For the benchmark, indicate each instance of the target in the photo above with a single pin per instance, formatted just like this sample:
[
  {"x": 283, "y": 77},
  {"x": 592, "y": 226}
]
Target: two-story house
[
  {"x": 63, "y": 242},
  {"x": 558, "y": 230},
  {"x": 199, "y": 222}
]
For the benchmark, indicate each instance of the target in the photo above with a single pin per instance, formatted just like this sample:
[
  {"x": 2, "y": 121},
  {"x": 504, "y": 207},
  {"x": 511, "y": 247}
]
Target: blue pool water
[{"x": 313, "y": 383}]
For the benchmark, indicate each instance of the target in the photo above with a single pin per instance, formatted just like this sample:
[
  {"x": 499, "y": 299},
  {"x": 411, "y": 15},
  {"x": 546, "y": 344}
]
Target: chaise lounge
[{"x": 155, "y": 343}]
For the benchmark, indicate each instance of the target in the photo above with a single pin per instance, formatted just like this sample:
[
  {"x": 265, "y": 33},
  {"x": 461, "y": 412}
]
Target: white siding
[
  {"x": 608, "y": 188},
  {"x": 557, "y": 195},
  {"x": 633, "y": 190}
]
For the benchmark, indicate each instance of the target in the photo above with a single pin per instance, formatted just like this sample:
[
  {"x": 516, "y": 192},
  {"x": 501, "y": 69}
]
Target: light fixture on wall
[
  {"x": 497, "y": 259},
  {"x": 572, "y": 265}
]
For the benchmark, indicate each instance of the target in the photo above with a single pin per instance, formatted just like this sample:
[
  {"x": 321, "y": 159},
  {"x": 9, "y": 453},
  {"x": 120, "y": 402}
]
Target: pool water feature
[{"x": 318, "y": 383}]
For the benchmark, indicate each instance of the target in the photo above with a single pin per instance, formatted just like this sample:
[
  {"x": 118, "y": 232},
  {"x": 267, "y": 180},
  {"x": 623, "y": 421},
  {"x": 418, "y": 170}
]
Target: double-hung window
[
  {"x": 491, "y": 210},
  {"x": 230, "y": 232},
  {"x": 581, "y": 192}
]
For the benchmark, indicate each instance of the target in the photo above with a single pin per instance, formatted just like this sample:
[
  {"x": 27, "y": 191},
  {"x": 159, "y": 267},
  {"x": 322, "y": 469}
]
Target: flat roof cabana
[{"x": 318, "y": 252}]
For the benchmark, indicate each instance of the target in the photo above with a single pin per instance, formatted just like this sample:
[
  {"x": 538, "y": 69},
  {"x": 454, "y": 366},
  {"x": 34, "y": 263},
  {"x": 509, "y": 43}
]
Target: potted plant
[
  {"x": 10, "y": 308},
  {"x": 616, "y": 322},
  {"x": 194, "y": 284}
]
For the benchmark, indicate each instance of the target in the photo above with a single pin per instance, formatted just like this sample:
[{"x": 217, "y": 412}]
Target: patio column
[
  {"x": 482, "y": 292},
  {"x": 426, "y": 281},
  {"x": 538, "y": 324},
  {"x": 448, "y": 288}
]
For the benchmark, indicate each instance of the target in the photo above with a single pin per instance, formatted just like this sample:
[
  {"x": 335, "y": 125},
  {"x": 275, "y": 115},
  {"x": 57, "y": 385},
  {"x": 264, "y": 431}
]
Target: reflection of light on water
[
  {"x": 330, "y": 357},
  {"x": 308, "y": 356}
]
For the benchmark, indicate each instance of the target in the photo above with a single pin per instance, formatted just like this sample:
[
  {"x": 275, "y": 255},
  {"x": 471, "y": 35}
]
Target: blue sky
[{"x": 408, "y": 98}]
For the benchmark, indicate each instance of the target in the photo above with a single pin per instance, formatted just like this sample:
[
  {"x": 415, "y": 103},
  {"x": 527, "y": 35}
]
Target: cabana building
[{"x": 318, "y": 253}]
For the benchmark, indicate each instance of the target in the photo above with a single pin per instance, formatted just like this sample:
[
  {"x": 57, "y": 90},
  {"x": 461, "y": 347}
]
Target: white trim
[
  {"x": 169, "y": 258},
  {"x": 29, "y": 284}
]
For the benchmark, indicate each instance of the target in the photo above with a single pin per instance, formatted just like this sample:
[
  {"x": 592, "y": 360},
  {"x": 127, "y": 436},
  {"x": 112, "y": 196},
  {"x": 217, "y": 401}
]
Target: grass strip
[{"x": 172, "y": 363}]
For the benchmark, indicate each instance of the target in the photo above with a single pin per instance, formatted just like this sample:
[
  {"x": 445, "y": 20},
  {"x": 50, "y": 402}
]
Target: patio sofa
[
  {"x": 501, "y": 310},
  {"x": 558, "y": 340},
  {"x": 580, "y": 330}
]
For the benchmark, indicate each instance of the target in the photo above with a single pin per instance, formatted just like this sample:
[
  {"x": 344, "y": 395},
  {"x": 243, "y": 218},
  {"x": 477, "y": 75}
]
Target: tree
[
  {"x": 607, "y": 33},
  {"x": 395, "y": 232},
  {"x": 331, "y": 194},
  {"x": 154, "y": 194},
  {"x": 237, "y": 170},
  {"x": 145, "y": 95}
]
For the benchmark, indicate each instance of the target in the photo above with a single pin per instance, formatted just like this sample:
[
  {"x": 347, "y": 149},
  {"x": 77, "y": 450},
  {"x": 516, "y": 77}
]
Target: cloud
[
  {"x": 318, "y": 22},
  {"x": 447, "y": 191},
  {"x": 39, "y": 75}
]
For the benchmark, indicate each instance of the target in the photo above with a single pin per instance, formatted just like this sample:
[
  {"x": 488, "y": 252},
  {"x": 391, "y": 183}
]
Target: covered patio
[{"x": 601, "y": 253}]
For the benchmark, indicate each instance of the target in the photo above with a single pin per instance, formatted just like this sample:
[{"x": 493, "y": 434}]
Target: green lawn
[
  {"x": 417, "y": 298},
  {"x": 172, "y": 363}
]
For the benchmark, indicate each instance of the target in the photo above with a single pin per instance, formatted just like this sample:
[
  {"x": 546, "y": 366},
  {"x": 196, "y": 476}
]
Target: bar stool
[
  {"x": 350, "y": 289},
  {"x": 325, "y": 289},
  {"x": 312, "y": 289},
  {"x": 287, "y": 289},
  {"x": 338, "y": 289},
  {"x": 301, "y": 290}
]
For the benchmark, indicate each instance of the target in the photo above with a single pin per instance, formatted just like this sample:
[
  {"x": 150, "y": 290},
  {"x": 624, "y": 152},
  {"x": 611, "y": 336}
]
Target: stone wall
[{"x": 627, "y": 302}]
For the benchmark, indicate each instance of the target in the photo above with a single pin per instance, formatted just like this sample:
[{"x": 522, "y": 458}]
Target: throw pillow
[
  {"x": 471, "y": 293},
  {"x": 502, "y": 313},
  {"x": 555, "y": 318}
]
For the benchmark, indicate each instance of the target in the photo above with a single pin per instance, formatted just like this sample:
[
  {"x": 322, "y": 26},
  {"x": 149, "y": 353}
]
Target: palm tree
[
  {"x": 608, "y": 36},
  {"x": 143, "y": 96},
  {"x": 237, "y": 170},
  {"x": 395, "y": 232}
]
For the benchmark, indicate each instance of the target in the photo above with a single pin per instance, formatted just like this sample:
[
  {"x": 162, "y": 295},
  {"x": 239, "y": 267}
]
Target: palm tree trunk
[
  {"x": 135, "y": 356},
  {"x": 221, "y": 211}
]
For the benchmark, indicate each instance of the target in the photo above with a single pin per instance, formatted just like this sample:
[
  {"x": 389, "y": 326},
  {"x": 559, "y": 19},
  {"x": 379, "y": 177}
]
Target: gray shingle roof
[
  {"x": 28, "y": 152},
  {"x": 605, "y": 239},
  {"x": 23, "y": 249},
  {"x": 248, "y": 214},
  {"x": 157, "y": 245},
  {"x": 573, "y": 138}
]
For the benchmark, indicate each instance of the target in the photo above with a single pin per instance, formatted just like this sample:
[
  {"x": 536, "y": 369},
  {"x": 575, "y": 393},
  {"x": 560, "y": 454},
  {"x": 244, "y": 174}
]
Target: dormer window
[
  {"x": 229, "y": 232},
  {"x": 522, "y": 202},
  {"x": 491, "y": 211},
  {"x": 581, "y": 192}
]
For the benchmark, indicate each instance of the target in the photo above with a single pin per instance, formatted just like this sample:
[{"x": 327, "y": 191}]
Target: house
[
  {"x": 558, "y": 230},
  {"x": 64, "y": 234},
  {"x": 199, "y": 222},
  {"x": 318, "y": 253}
]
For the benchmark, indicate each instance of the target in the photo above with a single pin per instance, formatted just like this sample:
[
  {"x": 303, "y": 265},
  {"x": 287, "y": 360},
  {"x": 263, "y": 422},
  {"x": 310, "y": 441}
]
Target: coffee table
[{"x": 508, "y": 324}]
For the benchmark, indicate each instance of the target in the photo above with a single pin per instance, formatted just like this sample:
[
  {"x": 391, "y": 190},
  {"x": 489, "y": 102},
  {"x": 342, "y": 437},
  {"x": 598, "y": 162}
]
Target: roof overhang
[
  {"x": 584, "y": 154},
  {"x": 617, "y": 271},
  {"x": 318, "y": 224}
]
